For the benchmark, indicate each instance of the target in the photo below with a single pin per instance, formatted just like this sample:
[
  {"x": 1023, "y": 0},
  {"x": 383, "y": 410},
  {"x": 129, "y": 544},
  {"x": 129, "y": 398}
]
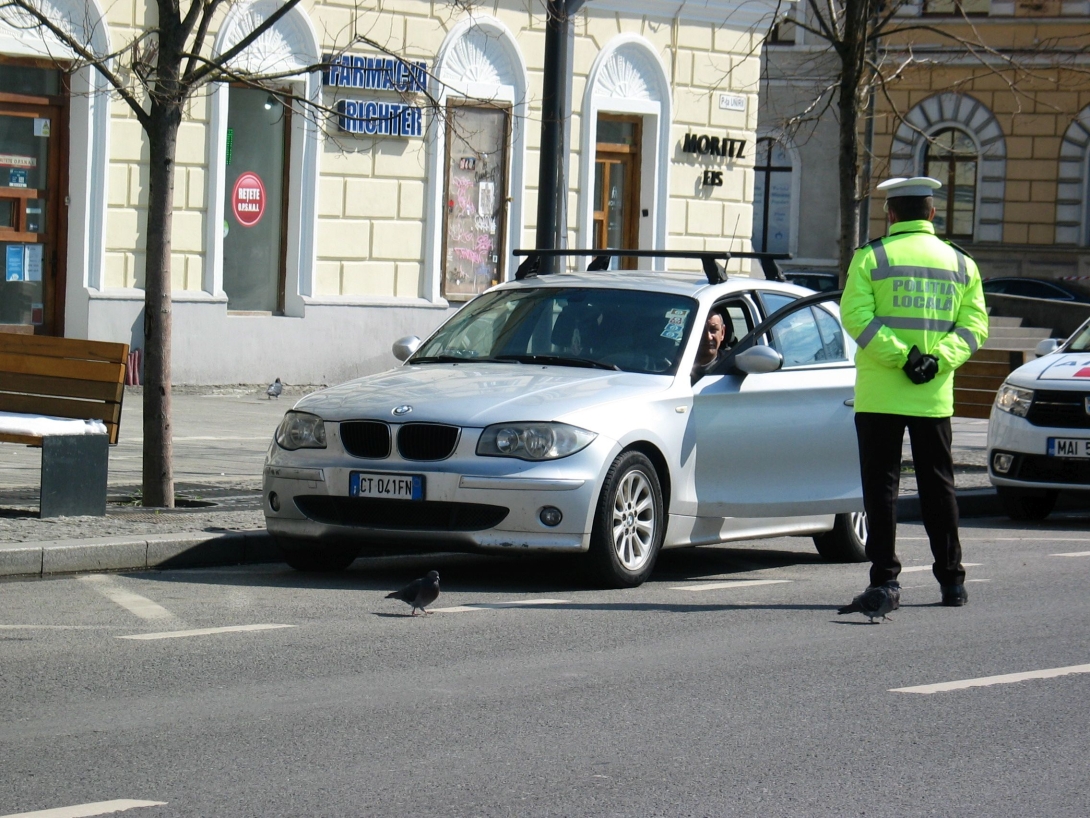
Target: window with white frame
[
  {"x": 773, "y": 189},
  {"x": 952, "y": 158}
]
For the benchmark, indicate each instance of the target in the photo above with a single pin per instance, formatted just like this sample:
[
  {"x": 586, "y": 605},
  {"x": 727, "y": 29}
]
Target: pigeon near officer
[
  {"x": 275, "y": 389},
  {"x": 874, "y": 603},
  {"x": 419, "y": 593},
  {"x": 914, "y": 304}
]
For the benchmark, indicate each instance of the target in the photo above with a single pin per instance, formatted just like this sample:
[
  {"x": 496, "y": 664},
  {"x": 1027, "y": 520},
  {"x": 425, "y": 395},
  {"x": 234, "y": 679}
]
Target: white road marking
[
  {"x": 1009, "y": 539},
  {"x": 987, "y": 681},
  {"x": 490, "y": 606},
  {"x": 733, "y": 583},
  {"x": 204, "y": 631},
  {"x": 133, "y": 603},
  {"x": 56, "y": 628},
  {"x": 87, "y": 810},
  {"x": 915, "y": 568},
  {"x": 978, "y": 580},
  {"x": 1072, "y": 554}
]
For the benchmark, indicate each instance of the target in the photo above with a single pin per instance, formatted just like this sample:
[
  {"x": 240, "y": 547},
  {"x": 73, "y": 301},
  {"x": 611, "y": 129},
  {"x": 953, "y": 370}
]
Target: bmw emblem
[
  {"x": 404, "y": 409},
  {"x": 1086, "y": 405}
]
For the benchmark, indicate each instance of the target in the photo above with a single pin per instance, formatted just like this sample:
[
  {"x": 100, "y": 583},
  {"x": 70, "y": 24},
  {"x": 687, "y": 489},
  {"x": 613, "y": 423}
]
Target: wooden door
[{"x": 31, "y": 217}]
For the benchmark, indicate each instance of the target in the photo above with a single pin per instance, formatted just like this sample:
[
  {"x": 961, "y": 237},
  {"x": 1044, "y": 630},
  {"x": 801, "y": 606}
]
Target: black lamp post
[{"x": 555, "y": 109}]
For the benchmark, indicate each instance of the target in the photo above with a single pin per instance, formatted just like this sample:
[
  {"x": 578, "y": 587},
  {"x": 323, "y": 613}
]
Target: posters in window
[{"x": 473, "y": 223}]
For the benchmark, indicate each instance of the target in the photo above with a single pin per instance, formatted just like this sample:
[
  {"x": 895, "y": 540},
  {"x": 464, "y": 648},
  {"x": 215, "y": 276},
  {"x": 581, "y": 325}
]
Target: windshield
[
  {"x": 1081, "y": 343},
  {"x": 622, "y": 330}
]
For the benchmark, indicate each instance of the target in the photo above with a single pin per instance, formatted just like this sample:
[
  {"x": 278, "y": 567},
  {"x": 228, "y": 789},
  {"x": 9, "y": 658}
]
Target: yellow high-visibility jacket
[{"x": 911, "y": 288}]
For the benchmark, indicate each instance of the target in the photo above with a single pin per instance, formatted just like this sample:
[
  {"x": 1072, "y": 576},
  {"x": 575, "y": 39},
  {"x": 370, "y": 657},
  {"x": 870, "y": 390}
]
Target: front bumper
[
  {"x": 1032, "y": 466},
  {"x": 470, "y": 502}
]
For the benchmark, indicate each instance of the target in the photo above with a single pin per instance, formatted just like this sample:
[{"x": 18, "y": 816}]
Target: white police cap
[{"x": 914, "y": 186}]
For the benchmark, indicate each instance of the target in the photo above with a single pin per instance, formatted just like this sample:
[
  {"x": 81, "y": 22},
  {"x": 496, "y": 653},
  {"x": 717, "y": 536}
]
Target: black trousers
[{"x": 880, "y": 439}]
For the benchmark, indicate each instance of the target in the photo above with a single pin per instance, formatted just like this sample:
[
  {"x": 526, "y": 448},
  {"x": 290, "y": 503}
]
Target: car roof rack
[{"x": 601, "y": 258}]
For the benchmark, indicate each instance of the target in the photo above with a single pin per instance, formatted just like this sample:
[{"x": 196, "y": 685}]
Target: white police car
[
  {"x": 559, "y": 413},
  {"x": 1039, "y": 432}
]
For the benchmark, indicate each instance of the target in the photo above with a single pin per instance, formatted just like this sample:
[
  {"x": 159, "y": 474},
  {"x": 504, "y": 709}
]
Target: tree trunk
[
  {"x": 848, "y": 109},
  {"x": 158, "y": 482}
]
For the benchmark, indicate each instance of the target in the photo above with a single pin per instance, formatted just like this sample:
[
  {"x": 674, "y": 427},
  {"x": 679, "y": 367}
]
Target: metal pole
[{"x": 551, "y": 114}]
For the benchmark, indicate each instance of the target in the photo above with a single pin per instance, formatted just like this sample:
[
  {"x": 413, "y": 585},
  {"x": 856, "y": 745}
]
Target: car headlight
[
  {"x": 1014, "y": 399},
  {"x": 533, "y": 441},
  {"x": 299, "y": 430}
]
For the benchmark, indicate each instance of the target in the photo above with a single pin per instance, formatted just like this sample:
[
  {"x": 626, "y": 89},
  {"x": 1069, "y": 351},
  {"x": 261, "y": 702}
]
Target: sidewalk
[{"x": 220, "y": 439}]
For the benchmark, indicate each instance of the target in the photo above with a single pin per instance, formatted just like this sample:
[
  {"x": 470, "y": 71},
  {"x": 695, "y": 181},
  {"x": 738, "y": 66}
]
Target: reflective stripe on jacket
[{"x": 911, "y": 288}]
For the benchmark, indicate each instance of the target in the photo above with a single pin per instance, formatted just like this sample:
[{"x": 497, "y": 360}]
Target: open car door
[{"x": 774, "y": 423}]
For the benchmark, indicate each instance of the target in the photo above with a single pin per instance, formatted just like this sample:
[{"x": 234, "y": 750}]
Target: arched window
[
  {"x": 1073, "y": 190},
  {"x": 772, "y": 191},
  {"x": 952, "y": 158},
  {"x": 913, "y": 151}
]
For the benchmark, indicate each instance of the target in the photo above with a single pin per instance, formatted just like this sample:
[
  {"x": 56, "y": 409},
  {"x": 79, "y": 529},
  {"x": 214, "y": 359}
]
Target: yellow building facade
[
  {"x": 306, "y": 239},
  {"x": 1006, "y": 128}
]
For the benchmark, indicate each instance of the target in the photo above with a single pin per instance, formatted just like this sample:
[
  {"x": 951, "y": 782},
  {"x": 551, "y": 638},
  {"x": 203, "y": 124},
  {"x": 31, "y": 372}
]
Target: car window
[
  {"x": 774, "y": 301},
  {"x": 832, "y": 336},
  {"x": 993, "y": 286},
  {"x": 1036, "y": 289},
  {"x": 613, "y": 329},
  {"x": 797, "y": 338},
  {"x": 738, "y": 318}
]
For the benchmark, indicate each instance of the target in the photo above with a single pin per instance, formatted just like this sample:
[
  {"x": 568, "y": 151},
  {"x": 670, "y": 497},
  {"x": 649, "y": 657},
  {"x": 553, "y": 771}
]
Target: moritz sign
[{"x": 713, "y": 146}]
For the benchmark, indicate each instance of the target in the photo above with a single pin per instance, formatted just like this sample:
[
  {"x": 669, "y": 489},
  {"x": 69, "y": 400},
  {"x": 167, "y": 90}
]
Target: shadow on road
[{"x": 475, "y": 573}]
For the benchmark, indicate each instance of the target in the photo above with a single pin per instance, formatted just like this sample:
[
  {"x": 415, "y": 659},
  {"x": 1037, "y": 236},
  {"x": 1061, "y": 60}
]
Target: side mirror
[
  {"x": 758, "y": 360},
  {"x": 404, "y": 347},
  {"x": 1047, "y": 347}
]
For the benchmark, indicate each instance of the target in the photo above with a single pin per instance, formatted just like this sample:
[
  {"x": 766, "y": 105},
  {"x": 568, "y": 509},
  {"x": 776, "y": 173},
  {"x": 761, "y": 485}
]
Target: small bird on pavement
[
  {"x": 875, "y": 602},
  {"x": 419, "y": 593},
  {"x": 274, "y": 390}
]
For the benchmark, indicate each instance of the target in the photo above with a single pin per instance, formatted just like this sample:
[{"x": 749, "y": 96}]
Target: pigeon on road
[
  {"x": 420, "y": 592},
  {"x": 274, "y": 390},
  {"x": 875, "y": 602}
]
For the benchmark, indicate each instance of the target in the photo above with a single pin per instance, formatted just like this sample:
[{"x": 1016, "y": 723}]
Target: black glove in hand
[{"x": 920, "y": 368}]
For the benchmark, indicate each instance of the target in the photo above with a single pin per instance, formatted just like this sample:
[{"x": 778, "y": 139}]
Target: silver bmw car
[{"x": 566, "y": 413}]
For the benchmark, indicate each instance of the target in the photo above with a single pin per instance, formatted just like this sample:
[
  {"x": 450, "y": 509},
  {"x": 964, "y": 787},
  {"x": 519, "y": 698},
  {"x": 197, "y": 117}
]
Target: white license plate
[
  {"x": 387, "y": 486},
  {"x": 1069, "y": 447}
]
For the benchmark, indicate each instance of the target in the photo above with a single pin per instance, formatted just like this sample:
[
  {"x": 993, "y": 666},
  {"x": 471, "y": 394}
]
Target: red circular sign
[{"x": 248, "y": 199}]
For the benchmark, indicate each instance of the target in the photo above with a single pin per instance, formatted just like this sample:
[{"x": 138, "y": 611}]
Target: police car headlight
[
  {"x": 1014, "y": 400},
  {"x": 533, "y": 441},
  {"x": 300, "y": 430}
]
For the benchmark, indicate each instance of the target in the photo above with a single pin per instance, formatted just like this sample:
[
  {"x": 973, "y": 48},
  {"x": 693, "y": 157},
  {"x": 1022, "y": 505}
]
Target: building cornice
[{"x": 737, "y": 14}]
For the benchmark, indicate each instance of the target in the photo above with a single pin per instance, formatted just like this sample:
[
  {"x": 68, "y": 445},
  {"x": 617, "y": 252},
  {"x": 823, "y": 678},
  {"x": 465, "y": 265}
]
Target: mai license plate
[
  {"x": 387, "y": 486},
  {"x": 1068, "y": 447}
]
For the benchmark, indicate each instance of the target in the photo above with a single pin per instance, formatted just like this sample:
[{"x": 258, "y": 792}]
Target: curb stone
[{"x": 180, "y": 550}]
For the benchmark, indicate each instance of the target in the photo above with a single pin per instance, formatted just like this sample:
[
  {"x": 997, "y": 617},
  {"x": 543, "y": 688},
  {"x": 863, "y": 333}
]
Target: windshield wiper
[
  {"x": 559, "y": 360},
  {"x": 453, "y": 359}
]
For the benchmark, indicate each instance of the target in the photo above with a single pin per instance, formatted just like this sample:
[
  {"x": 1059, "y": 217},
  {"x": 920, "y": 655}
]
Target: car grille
[
  {"x": 401, "y": 515},
  {"x": 1039, "y": 468},
  {"x": 427, "y": 441},
  {"x": 366, "y": 438},
  {"x": 1059, "y": 409}
]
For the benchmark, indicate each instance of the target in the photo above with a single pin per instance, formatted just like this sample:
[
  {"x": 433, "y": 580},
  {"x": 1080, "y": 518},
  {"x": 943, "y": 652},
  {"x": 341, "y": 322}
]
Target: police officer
[{"x": 915, "y": 306}]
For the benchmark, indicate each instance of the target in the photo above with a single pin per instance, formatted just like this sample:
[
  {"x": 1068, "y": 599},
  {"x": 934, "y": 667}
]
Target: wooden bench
[{"x": 65, "y": 378}]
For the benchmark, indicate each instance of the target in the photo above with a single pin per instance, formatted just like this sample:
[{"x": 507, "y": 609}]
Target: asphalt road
[{"x": 749, "y": 700}]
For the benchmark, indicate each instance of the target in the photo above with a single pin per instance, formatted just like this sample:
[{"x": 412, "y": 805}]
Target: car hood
[
  {"x": 1060, "y": 371},
  {"x": 478, "y": 394}
]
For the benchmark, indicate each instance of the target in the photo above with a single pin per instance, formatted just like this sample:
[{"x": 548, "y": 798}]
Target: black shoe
[{"x": 954, "y": 596}]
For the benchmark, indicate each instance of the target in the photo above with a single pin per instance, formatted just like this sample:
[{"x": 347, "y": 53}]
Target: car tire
[
  {"x": 1020, "y": 504},
  {"x": 629, "y": 524},
  {"x": 847, "y": 540},
  {"x": 311, "y": 557}
]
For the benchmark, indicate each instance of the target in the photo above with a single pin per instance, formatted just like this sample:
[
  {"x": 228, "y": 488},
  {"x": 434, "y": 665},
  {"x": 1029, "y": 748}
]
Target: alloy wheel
[{"x": 634, "y": 520}]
